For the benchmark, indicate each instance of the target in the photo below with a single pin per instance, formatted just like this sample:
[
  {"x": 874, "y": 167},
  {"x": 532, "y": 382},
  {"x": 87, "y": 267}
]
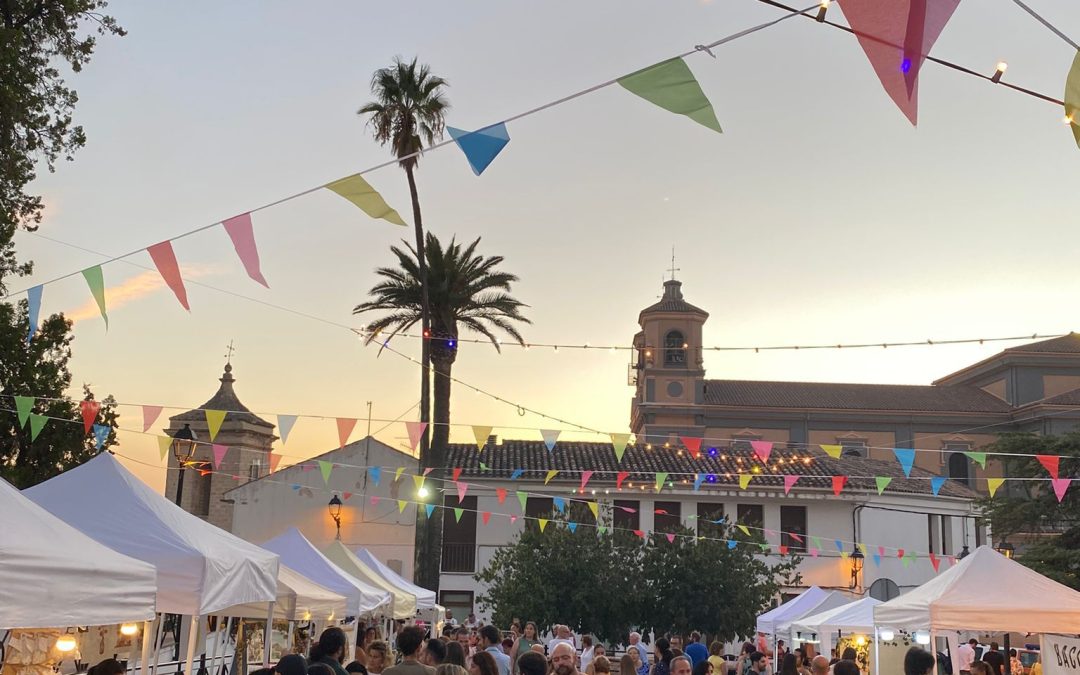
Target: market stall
[
  {"x": 404, "y": 602},
  {"x": 829, "y": 626}
]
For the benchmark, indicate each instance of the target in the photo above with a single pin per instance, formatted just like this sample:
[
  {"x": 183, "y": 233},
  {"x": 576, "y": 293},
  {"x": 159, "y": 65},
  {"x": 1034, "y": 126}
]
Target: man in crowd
[
  {"x": 965, "y": 656},
  {"x": 434, "y": 653},
  {"x": 409, "y": 640},
  {"x": 820, "y": 665},
  {"x": 562, "y": 635},
  {"x": 758, "y": 663},
  {"x": 676, "y": 642},
  {"x": 696, "y": 650},
  {"x": 490, "y": 642},
  {"x": 845, "y": 667},
  {"x": 643, "y": 662},
  {"x": 563, "y": 657},
  {"x": 462, "y": 637},
  {"x": 377, "y": 657},
  {"x": 450, "y": 620},
  {"x": 531, "y": 663},
  {"x": 680, "y": 665},
  {"x": 996, "y": 660},
  {"x": 471, "y": 621}
]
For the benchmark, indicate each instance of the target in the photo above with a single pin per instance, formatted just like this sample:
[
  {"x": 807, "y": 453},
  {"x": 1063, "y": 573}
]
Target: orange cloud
[{"x": 128, "y": 291}]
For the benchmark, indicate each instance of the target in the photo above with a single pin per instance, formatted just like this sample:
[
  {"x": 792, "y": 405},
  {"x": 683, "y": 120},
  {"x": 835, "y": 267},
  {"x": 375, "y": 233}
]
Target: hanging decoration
[
  {"x": 150, "y": 413},
  {"x": 1072, "y": 98},
  {"x": 1060, "y": 486},
  {"x": 375, "y": 473},
  {"x": 935, "y": 484},
  {"x": 101, "y": 434},
  {"x": 345, "y": 426},
  {"x": 482, "y": 146},
  {"x": 618, "y": 443},
  {"x": 358, "y": 191},
  {"x": 882, "y": 483},
  {"x": 33, "y": 310},
  {"x": 744, "y": 480},
  {"x": 462, "y": 488},
  {"x": 243, "y": 240},
  {"x": 89, "y": 411},
  {"x": 550, "y": 474},
  {"x": 661, "y": 478},
  {"x": 671, "y": 86},
  {"x": 325, "y": 468},
  {"x": 789, "y": 482},
  {"x": 762, "y": 449},
  {"x": 416, "y": 432},
  {"x": 838, "y": 483},
  {"x": 96, "y": 282},
  {"x": 977, "y": 457},
  {"x": 37, "y": 423},
  {"x": 285, "y": 424},
  {"x": 992, "y": 485},
  {"x": 906, "y": 457},
  {"x": 693, "y": 444},
  {"x": 1051, "y": 463},
  {"x": 585, "y": 476},
  {"x": 23, "y": 404},
  {"x": 164, "y": 443},
  {"x": 833, "y": 450},
  {"x": 550, "y": 437},
  {"x": 219, "y": 454},
  {"x": 165, "y": 260},
  {"x": 214, "y": 420},
  {"x": 481, "y": 435}
]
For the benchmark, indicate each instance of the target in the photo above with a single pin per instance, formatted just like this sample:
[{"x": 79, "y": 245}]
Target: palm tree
[{"x": 467, "y": 291}]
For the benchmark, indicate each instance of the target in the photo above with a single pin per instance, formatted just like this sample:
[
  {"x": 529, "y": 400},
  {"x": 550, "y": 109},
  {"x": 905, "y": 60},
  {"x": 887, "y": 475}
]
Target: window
[
  {"x": 933, "y": 532},
  {"x": 674, "y": 349},
  {"x": 950, "y": 448},
  {"x": 793, "y": 521},
  {"x": 255, "y": 470},
  {"x": 538, "y": 507},
  {"x": 853, "y": 448},
  {"x": 625, "y": 515},
  {"x": 706, "y": 512},
  {"x": 946, "y": 535},
  {"x": 960, "y": 468},
  {"x": 751, "y": 515},
  {"x": 667, "y": 516},
  {"x": 579, "y": 512},
  {"x": 459, "y": 536},
  {"x": 980, "y": 533},
  {"x": 460, "y": 603}
]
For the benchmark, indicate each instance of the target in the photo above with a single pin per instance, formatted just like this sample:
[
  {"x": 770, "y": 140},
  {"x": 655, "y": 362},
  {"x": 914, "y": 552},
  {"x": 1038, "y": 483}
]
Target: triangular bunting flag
[
  {"x": 376, "y": 474},
  {"x": 523, "y": 498},
  {"x": 219, "y": 454},
  {"x": 639, "y": 533},
  {"x": 543, "y": 523},
  {"x": 935, "y": 561},
  {"x": 732, "y": 543},
  {"x": 817, "y": 542},
  {"x": 935, "y": 484},
  {"x": 900, "y": 553},
  {"x": 517, "y": 473},
  {"x": 671, "y": 85},
  {"x": 550, "y": 474},
  {"x": 601, "y": 529},
  {"x": 165, "y": 261},
  {"x": 744, "y": 480},
  {"x": 833, "y": 450},
  {"x": 214, "y": 419},
  {"x": 481, "y": 435},
  {"x": 397, "y": 473},
  {"x": 285, "y": 424},
  {"x": 745, "y": 529},
  {"x": 560, "y": 504},
  {"x": 243, "y": 240},
  {"x": 550, "y": 437},
  {"x": 661, "y": 478},
  {"x": 462, "y": 488},
  {"x": 513, "y": 519},
  {"x": 572, "y": 526},
  {"x": 585, "y": 476},
  {"x": 346, "y": 495},
  {"x": 455, "y": 474},
  {"x": 977, "y": 457},
  {"x": 670, "y": 537},
  {"x": 789, "y": 482},
  {"x": 1060, "y": 486},
  {"x": 882, "y": 483},
  {"x": 877, "y": 560},
  {"x": 275, "y": 459},
  {"x": 418, "y": 482},
  {"x": 375, "y": 500},
  {"x": 1072, "y": 97},
  {"x": 795, "y": 536},
  {"x": 457, "y": 514},
  {"x": 595, "y": 508},
  {"x": 481, "y": 146},
  {"x": 345, "y": 427},
  {"x": 101, "y": 434},
  {"x": 897, "y": 37},
  {"x": 699, "y": 478},
  {"x": 89, "y": 410},
  {"x": 23, "y": 404},
  {"x": 401, "y": 504},
  {"x": 618, "y": 442},
  {"x": 500, "y": 493},
  {"x": 783, "y": 549},
  {"x": 429, "y": 509},
  {"x": 1051, "y": 463},
  {"x": 359, "y": 192},
  {"x": 485, "y": 517},
  {"x": 164, "y": 443},
  {"x": 693, "y": 445},
  {"x": 839, "y": 545},
  {"x": 620, "y": 477},
  {"x": 37, "y": 423},
  {"x": 96, "y": 282},
  {"x": 906, "y": 457},
  {"x": 150, "y": 413},
  {"x": 325, "y": 468},
  {"x": 992, "y": 485},
  {"x": 33, "y": 310},
  {"x": 416, "y": 432},
  {"x": 814, "y": 552},
  {"x": 838, "y": 483},
  {"x": 762, "y": 449}
]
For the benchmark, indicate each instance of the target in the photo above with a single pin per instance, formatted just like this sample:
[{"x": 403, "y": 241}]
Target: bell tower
[{"x": 670, "y": 382}]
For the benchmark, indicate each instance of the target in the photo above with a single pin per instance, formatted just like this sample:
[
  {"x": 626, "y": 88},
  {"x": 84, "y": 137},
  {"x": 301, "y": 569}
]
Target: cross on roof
[
  {"x": 229, "y": 352},
  {"x": 673, "y": 269}
]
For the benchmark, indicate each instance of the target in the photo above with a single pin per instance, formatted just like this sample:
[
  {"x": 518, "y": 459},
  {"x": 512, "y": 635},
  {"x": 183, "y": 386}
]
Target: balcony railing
[{"x": 457, "y": 557}]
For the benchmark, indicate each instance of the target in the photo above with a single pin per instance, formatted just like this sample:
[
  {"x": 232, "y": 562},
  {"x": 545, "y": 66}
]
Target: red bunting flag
[
  {"x": 345, "y": 427},
  {"x": 346, "y": 495},
  {"x": 274, "y": 460},
  {"x": 935, "y": 561},
  {"x": 783, "y": 549},
  {"x": 89, "y": 413},
  {"x": 243, "y": 240},
  {"x": 1050, "y": 463},
  {"x": 622, "y": 475},
  {"x": 501, "y": 494},
  {"x": 900, "y": 553},
  {"x": 165, "y": 261},
  {"x": 585, "y": 476},
  {"x": 639, "y": 533},
  {"x": 485, "y": 516},
  {"x": 462, "y": 488},
  {"x": 762, "y": 449},
  {"x": 455, "y": 474},
  {"x": 838, "y": 483},
  {"x": 693, "y": 445}
]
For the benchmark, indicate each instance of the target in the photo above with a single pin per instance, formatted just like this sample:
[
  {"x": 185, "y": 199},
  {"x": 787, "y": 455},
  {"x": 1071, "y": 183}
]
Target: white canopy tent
[
  {"x": 53, "y": 576},
  {"x": 853, "y": 617},
  {"x": 425, "y": 599},
  {"x": 298, "y": 599},
  {"x": 831, "y": 600},
  {"x": 966, "y": 597},
  {"x": 302, "y": 556},
  {"x": 768, "y": 622},
  {"x": 404, "y": 606}
]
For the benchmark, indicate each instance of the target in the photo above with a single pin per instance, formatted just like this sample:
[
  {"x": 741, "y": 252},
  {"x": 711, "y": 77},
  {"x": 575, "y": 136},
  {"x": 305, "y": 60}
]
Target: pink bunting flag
[
  {"x": 275, "y": 459},
  {"x": 881, "y": 551},
  {"x": 897, "y": 37},
  {"x": 165, "y": 261},
  {"x": 150, "y": 413},
  {"x": 783, "y": 549},
  {"x": 762, "y": 449},
  {"x": 1051, "y": 463},
  {"x": 455, "y": 474},
  {"x": 374, "y": 500},
  {"x": 670, "y": 537},
  {"x": 428, "y": 470},
  {"x": 813, "y": 552},
  {"x": 693, "y": 445},
  {"x": 219, "y": 454},
  {"x": 838, "y": 483},
  {"x": 89, "y": 411},
  {"x": 639, "y": 533},
  {"x": 900, "y": 553},
  {"x": 345, "y": 427},
  {"x": 1060, "y": 486},
  {"x": 485, "y": 516},
  {"x": 622, "y": 475},
  {"x": 462, "y": 488},
  {"x": 789, "y": 482},
  {"x": 585, "y": 476},
  {"x": 513, "y": 519},
  {"x": 501, "y": 494},
  {"x": 243, "y": 240},
  {"x": 307, "y": 467},
  {"x": 416, "y": 432}
]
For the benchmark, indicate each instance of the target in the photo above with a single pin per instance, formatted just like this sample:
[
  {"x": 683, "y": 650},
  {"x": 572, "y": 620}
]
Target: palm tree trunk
[
  {"x": 428, "y": 530},
  {"x": 440, "y": 437}
]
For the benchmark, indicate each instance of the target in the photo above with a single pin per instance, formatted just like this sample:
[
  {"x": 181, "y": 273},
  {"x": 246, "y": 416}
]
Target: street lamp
[
  {"x": 183, "y": 447},
  {"x": 1005, "y": 548},
  {"x": 335, "y": 512},
  {"x": 964, "y": 552},
  {"x": 857, "y": 560}
]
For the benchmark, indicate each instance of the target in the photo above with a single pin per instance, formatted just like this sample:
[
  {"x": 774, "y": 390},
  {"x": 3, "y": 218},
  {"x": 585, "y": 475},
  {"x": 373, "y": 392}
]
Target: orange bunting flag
[
  {"x": 275, "y": 459},
  {"x": 416, "y": 432},
  {"x": 693, "y": 445},
  {"x": 165, "y": 261},
  {"x": 345, "y": 427},
  {"x": 214, "y": 418},
  {"x": 243, "y": 240},
  {"x": 550, "y": 474},
  {"x": 481, "y": 434},
  {"x": 838, "y": 483},
  {"x": 744, "y": 480},
  {"x": 164, "y": 443},
  {"x": 150, "y": 413},
  {"x": 585, "y": 476},
  {"x": 833, "y": 450},
  {"x": 455, "y": 474},
  {"x": 90, "y": 410},
  {"x": 485, "y": 516},
  {"x": 1051, "y": 463},
  {"x": 618, "y": 442},
  {"x": 501, "y": 494}
]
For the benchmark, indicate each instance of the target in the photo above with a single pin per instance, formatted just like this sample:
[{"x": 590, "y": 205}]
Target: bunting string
[{"x": 1051, "y": 27}]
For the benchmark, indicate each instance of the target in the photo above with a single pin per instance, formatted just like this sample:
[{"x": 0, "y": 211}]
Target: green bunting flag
[
  {"x": 619, "y": 441},
  {"x": 977, "y": 457},
  {"x": 661, "y": 476},
  {"x": 882, "y": 483},
  {"x": 37, "y": 423},
  {"x": 359, "y": 192},
  {"x": 23, "y": 405},
  {"x": 325, "y": 468},
  {"x": 1072, "y": 98},
  {"x": 457, "y": 514},
  {"x": 523, "y": 498},
  {"x": 671, "y": 85},
  {"x": 96, "y": 282}
]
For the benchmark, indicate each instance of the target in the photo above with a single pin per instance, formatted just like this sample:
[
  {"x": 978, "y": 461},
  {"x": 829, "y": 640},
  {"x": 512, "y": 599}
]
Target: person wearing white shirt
[
  {"x": 965, "y": 656},
  {"x": 587, "y": 652}
]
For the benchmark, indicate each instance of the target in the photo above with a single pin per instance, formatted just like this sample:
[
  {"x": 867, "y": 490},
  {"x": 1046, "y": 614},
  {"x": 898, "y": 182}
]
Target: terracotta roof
[
  {"x": 225, "y": 399},
  {"x": 840, "y": 396},
  {"x": 1066, "y": 344},
  {"x": 1068, "y": 398},
  {"x": 673, "y": 301},
  {"x": 571, "y": 458}
]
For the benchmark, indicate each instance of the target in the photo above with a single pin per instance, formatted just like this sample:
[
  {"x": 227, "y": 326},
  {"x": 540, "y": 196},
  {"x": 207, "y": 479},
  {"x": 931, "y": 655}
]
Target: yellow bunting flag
[
  {"x": 744, "y": 480},
  {"x": 1072, "y": 98},
  {"x": 163, "y": 443},
  {"x": 550, "y": 474},
  {"x": 992, "y": 484},
  {"x": 214, "y": 418},
  {"x": 595, "y": 508},
  {"x": 418, "y": 482},
  {"x": 359, "y": 192},
  {"x": 543, "y": 523},
  {"x": 862, "y": 549},
  {"x": 619, "y": 441},
  {"x": 401, "y": 504},
  {"x": 833, "y": 450},
  {"x": 745, "y": 529},
  {"x": 481, "y": 435},
  {"x": 398, "y": 472}
]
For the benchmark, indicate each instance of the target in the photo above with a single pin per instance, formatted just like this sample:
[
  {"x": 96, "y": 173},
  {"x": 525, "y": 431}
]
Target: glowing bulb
[
  {"x": 1002, "y": 66},
  {"x": 648, "y": 352},
  {"x": 887, "y": 634},
  {"x": 422, "y": 493},
  {"x": 1068, "y": 119},
  {"x": 65, "y": 643},
  {"x": 860, "y": 641},
  {"x": 825, "y": 4},
  {"x": 129, "y": 629},
  {"x": 922, "y": 637}
]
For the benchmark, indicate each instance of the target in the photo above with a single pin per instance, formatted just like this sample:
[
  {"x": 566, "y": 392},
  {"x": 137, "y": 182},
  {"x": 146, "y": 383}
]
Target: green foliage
[
  {"x": 610, "y": 583},
  {"x": 1030, "y": 509}
]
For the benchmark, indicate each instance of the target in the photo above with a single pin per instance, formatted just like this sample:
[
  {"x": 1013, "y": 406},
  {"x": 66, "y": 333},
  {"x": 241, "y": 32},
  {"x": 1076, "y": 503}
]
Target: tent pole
[
  {"x": 144, "y": 652},
  {"x": 289, "y": 647},
  {"x": 266, "y": 637},
  {"x": 877, "y": 651},
  {"x": 193, "y": 636},
  {"x": 933, "y": 651},
  {"x": 160, "y": 635},
  {"x": 214, "y": 645}
]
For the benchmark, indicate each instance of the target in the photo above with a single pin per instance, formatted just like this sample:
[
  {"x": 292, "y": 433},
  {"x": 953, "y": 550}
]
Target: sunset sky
[{"x": 819, "y": 216}]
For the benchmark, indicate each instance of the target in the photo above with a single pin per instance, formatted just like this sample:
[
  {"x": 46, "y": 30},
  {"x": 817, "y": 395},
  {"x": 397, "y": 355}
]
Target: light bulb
[
  {"x": 1002, "y": 66},
  {"x": 1068, "y": 119},
  {"x": 129, "y": 629},
  {"x": 825, "y": 4},
  {"x": 65, "y": 643},
  {"x": 887, "y": 634},
  {"x": 922, "y": 637},
  {"x": 860, "y": 641},
  {"x": 422, "y": 493}
]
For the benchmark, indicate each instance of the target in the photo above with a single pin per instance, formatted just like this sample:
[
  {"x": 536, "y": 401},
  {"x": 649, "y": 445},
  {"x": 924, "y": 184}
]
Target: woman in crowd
[
  {"x": 523, "y": 644},
  {"x": 1016, "y": 666},
  {"x": 742, "y": 665},
  {"x": 980, "y": 668},
  {"x": 917, "y": 661},
  {"x": 802, "y": 664},
  {"x": 455, "y": 653},
  {"x": 716, "y": 657},
  {"x": 663, "y": 655},
  {"x": 788, "y": 665},
  {"x": 483, "y": 663},
  {"x": 599, "y": 666},
  {"x": 628, "y": 664},
  {"x": 330, "y": 650},
  {"x": 450, "y": 669},
  {"x": 377, "y": 657},
  {"x": 586, "y": 652}
]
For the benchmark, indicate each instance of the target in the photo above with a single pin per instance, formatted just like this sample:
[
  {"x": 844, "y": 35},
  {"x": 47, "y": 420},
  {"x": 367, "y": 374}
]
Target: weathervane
[
  {"x": 673, "y": 269},
  {"x": 229, "y": 352}
]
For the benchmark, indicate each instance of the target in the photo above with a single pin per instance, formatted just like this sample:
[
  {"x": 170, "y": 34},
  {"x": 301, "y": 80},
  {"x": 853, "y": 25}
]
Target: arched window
[
  {"x": 959, "y": 468},
  {"x": 884, "y": 589},
  {"x": 674, "y": 349}
]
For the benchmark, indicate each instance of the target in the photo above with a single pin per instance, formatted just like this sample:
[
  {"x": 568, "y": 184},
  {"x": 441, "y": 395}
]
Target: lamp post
[
  {"x": 183, "y": 448},
  {"x": 964, "y": 552},
  {"x": 1005, "y": 548},
  {"x": 335, "y": 512},
  {"x": 857, "y": 559}
]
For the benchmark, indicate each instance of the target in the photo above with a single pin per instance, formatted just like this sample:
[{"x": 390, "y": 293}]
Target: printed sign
[{"x": 1060, "y": 655}]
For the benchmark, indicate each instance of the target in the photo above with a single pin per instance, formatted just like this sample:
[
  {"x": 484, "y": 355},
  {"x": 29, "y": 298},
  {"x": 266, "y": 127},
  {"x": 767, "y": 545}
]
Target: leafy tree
[
  {"x": 467, "y": 291},
  {"x": 408, "y": 111},
  {"x": 1029, "y": 509}
]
